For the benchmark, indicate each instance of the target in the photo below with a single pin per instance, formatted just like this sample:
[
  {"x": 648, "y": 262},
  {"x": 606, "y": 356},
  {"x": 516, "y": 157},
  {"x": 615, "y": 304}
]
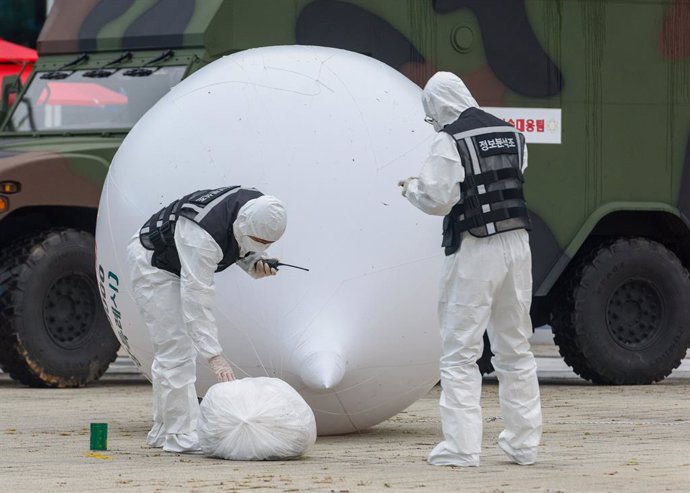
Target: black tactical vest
[
  {"x": 213, "y": 210},
  {"x": 491, "y": 199}
]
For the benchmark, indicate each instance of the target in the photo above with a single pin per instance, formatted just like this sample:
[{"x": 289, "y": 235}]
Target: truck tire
[
  {"x": 53, "y": 330},
  {"x": 624, "y": 319}
]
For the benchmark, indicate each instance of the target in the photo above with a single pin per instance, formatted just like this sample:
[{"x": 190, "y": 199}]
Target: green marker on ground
[{"x": 99, "y": 436}]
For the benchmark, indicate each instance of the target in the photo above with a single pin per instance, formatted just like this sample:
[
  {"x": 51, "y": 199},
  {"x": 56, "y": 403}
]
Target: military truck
[{"x": 601, "y": 89}]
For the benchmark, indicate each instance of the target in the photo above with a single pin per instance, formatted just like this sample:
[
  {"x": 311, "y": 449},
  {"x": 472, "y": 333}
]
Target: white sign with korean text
[{"x": 539, "y": 125}]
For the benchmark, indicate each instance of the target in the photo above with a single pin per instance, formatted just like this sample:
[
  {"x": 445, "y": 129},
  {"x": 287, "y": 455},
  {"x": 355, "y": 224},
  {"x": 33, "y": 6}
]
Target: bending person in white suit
[{"x": 173, "y": 259}]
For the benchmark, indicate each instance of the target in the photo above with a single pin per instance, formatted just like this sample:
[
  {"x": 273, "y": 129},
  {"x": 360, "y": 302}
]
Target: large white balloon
[{"x": 330, "y": 133}]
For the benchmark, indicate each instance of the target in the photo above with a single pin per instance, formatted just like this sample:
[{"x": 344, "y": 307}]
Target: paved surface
[{"x": 595, "y": 439}]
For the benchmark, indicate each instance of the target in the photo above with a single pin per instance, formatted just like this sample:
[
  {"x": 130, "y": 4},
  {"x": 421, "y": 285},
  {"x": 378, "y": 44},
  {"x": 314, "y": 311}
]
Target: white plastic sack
[{"x": 255, "y": 419}]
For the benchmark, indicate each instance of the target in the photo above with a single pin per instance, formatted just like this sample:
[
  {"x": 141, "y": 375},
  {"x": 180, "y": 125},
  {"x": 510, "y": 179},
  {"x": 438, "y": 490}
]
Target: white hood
[
  {"x": 264, "y": 218},
  {"x": 445, "y": 96}
]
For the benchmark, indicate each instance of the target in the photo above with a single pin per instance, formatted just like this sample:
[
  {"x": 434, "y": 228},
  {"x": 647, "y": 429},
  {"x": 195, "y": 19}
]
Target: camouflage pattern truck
[{"x": 600, "y": 88}]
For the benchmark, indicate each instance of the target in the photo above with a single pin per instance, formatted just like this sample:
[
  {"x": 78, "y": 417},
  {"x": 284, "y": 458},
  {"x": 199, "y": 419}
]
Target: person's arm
[
  {"x": 199, "y": 257},
  {"x": 437, "y": 189}
]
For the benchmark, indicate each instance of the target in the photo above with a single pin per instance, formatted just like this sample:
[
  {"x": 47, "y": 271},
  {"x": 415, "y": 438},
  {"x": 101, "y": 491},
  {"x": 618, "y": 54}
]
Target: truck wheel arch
[{"x": 655, "y": 221}]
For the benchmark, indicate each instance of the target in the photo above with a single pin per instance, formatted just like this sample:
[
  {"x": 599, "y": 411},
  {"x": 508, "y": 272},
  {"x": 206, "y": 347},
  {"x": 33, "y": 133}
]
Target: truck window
[{"x": 80, "y": 102}]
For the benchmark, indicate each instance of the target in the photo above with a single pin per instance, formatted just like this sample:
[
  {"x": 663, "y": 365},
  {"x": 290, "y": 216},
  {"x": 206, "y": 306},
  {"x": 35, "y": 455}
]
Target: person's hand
[
  {"x": 262, "y": 269},
  {"x": 221, "y": 368},
  {"x": 404, "y": 184}
]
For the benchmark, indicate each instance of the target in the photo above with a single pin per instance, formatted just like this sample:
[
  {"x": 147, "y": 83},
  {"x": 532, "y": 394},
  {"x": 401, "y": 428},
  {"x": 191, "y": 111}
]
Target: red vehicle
[{"x": 13, "y": 58}]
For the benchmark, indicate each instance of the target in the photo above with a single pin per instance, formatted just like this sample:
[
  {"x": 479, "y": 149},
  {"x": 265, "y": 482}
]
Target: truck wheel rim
[
  {"x": 635, "y": 314},
  {"x": 69, "y": 310}
]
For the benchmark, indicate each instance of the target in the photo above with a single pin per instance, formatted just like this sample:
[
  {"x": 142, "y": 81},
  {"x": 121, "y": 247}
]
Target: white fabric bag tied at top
[{"x": 255, "y": 419}]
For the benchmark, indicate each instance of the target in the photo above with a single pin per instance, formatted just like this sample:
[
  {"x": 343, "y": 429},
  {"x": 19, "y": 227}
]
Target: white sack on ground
[{"x": 255, "y": 419}]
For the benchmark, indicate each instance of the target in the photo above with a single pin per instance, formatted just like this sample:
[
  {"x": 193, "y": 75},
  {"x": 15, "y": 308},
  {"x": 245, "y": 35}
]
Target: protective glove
[
  {"x": 262, "y": 269},
  {"x": 221, "y": 368},
  {"x": 405, "y": 183}
]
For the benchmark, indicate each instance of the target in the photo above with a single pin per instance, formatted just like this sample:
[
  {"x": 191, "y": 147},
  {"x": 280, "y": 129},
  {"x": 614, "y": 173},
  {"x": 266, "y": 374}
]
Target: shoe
[
  {"x": 521, "y": 457},
  {"x": 156, "y": 437},
  {"x": 186, "y": 443},
  {"x": 441, "y": 456},
  {"x": 195, "y": 451}
]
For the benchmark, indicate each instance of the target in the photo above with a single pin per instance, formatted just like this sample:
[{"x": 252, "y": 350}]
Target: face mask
[{"x": 248, "y": 245}]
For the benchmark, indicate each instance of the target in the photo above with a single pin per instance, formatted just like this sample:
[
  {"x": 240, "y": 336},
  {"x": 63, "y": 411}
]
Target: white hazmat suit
[
  {"x": 178, "y": 313},
  {"x": 486, "y": 284}
]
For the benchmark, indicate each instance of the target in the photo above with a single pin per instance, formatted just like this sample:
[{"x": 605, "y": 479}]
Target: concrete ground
[{"x": 595, "y": 439}]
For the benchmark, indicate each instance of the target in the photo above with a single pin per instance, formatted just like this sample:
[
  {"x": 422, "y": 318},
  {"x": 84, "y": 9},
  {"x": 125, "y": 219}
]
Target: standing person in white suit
[
  {"x": 173, "y": 259},
  {"x": 473, "y": 176}
]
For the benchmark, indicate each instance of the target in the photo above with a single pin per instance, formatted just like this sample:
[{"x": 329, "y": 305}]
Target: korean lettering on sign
[
  {"x": 528, "y": 125},
  {"x": 538, "y": 125}
]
